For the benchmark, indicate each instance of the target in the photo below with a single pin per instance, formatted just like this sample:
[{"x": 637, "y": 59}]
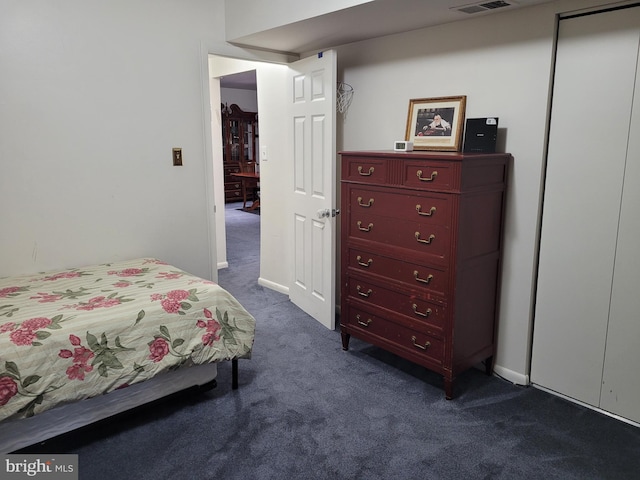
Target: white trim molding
[
  {"x": 273, "y": 286},
  {"x": 511, "y": 376}
]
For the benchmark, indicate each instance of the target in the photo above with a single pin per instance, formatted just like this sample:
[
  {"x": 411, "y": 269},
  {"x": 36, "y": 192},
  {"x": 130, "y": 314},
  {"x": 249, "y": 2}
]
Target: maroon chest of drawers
[{"x": 420, "y": 255}]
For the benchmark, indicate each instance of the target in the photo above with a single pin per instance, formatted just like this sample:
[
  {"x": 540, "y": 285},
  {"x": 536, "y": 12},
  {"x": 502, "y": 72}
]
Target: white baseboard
[
  {"x": 222, "y": 265},
  {"x": 273, "y": 286},
  {"x": 511, "y": 376}
]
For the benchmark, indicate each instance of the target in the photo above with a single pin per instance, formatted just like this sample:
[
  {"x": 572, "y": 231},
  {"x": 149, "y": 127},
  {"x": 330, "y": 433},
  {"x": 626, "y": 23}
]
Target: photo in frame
[{"x": 436, "y": 123}]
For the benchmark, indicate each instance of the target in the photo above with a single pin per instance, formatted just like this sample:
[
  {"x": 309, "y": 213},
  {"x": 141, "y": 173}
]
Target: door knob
[{"x": 327, "y": 213}]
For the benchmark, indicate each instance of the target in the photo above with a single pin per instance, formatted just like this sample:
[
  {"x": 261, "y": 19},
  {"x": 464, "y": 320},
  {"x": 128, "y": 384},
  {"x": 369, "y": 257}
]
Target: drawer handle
[
  {"x": 365, "y": 205},
  {"x": 422, "y": 347},
  {"x": 364, "y": 294},
  {"x": 427, "y": 241},
  {"x": 425, "y": 214},
  {"x": 433, "y": 176},
  {"x": 365, "y": 174},
  {"x": 364, "y": 229},
  {"x": 422, "y": 314},
  {"x": 423, "y": 280},
  {"x": 366, "y": 264},
  {"x": 360, "y": 322}
]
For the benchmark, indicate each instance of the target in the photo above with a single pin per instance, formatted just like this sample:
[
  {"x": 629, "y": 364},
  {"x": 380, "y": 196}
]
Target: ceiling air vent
[{"x": 483, "y": 7}]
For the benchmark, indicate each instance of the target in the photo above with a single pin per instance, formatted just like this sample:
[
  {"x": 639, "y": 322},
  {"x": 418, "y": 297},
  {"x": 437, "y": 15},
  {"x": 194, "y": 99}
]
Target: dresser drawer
[
  {"x": 407, "y": 303},
  {"x": 425, "y": 240},
  {"x": 368, "y": 170},
  {"x": 433, "y": 280},
  {"x": 436, "y": 176},
  {"x": 417, "y": 343},
  {"x": 420, "y": 207}
]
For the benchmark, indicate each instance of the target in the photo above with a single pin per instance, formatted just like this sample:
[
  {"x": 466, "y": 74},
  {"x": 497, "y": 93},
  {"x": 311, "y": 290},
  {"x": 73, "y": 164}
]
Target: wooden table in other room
[{"x": 249, "y": 180}]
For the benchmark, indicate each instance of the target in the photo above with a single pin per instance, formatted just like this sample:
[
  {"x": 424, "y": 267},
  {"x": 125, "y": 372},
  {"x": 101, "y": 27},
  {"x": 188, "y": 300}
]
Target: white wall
[
  {"x": 247, "y": 100},
  {"x": 503, "y": 63},
  {"x": 93, "y": 97}
]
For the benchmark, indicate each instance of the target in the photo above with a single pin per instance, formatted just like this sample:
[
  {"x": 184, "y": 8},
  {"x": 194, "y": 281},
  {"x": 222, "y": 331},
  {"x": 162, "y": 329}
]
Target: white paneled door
[
  {"x": 586, "y": 342},
  {"x": 312, "y": 91}
]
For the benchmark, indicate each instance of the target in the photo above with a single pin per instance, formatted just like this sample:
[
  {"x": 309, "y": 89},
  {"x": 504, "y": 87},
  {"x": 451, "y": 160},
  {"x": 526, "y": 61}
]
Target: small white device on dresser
[{"x": 403, "y": 146}]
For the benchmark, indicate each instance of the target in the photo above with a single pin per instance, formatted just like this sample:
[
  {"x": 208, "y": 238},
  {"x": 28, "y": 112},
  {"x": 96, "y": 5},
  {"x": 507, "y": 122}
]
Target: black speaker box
[{"x": 480, "y": 135}]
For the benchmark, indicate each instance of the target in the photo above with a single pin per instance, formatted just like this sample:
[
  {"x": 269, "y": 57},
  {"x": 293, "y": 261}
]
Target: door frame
[
  {"x": 229, "y": 52},
  {"x": 220, "y": 49}
]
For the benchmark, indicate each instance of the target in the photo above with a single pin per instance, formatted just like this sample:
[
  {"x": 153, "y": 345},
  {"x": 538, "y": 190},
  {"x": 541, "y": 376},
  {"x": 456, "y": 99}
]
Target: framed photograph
[{"x": 436, "y": 123}]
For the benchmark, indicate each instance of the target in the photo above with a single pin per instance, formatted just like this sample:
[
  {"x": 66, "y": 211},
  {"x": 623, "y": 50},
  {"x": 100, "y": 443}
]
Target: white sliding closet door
[
  {"x": 586, "y": 303},
  {"x": 621, "y": 377}
]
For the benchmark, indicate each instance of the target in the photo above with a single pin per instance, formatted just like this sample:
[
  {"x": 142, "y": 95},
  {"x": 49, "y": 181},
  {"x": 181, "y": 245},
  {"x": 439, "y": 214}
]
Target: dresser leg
[
  {"x": 448, "y": 388},
  {"x": 488, "y": 365},
  {"x": 345, "y": 340}
]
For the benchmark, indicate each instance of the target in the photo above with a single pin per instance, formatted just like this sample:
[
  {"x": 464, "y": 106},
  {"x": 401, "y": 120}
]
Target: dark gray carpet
[{"x": 307, "y": 410}]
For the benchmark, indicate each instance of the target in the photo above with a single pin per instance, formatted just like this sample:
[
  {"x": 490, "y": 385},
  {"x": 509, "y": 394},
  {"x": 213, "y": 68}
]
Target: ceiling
[
  {"x": 369, "y": 20},
  {"x": 242, "y": 81},
  {"x": 372, "y": 19}
]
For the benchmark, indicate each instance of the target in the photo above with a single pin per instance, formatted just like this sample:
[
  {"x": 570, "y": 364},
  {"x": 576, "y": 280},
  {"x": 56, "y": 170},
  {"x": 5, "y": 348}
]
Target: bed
[{"x": 82, "y": 344}]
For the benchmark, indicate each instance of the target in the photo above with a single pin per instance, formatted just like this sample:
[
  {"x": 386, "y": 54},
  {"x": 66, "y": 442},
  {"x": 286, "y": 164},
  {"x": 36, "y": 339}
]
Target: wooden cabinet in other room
[
  {"x": 421, "y": 249},
  {"x": 239, "y": 144}
]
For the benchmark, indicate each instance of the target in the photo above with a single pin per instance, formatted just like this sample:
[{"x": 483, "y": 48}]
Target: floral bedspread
[{"x": 75, "y": 334}]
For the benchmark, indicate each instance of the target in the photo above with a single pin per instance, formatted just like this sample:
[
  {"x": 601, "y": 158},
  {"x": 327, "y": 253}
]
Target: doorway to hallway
[{"x": 239, "y": 114}]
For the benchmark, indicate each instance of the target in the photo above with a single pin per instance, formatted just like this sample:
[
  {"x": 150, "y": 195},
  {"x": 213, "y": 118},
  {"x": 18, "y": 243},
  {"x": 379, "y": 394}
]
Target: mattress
[{"x": 81, "y": 333}]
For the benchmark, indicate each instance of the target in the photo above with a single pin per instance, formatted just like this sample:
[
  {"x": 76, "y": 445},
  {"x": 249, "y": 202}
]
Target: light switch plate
[{"x": 177, "y": 157}]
